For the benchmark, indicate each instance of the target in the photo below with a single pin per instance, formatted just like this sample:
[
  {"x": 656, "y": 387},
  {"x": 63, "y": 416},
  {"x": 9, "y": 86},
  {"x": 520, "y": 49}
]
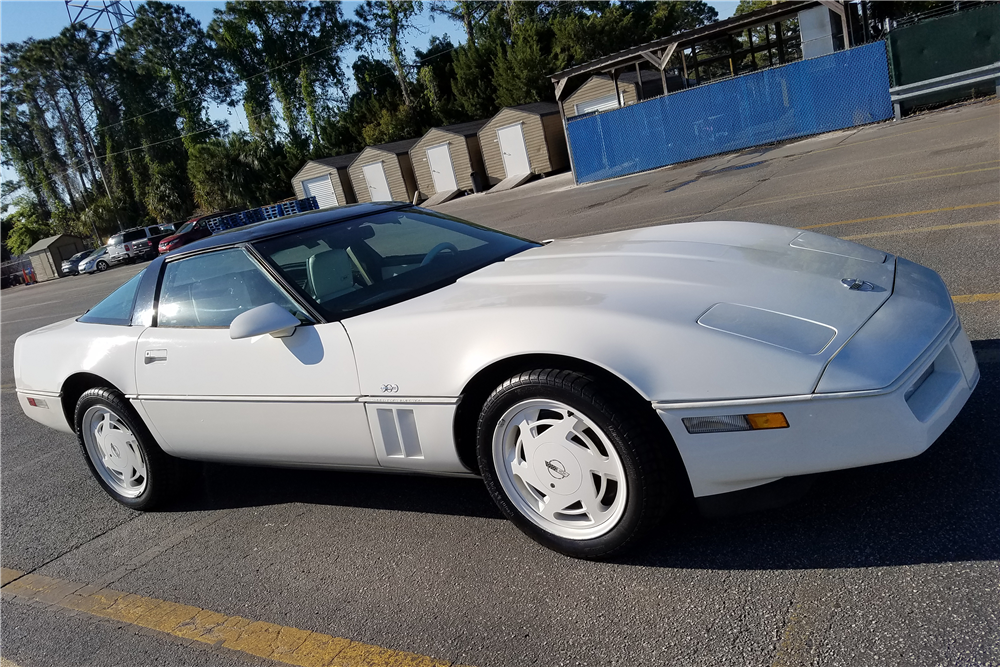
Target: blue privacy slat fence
[{"x": 843, "y": 89}]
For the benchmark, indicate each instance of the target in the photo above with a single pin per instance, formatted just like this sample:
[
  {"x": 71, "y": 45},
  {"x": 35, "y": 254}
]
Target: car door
[{"x": 292, "y": 400}]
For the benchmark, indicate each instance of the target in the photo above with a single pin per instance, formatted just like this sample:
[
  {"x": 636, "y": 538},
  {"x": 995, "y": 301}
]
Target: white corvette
[{"x": 590, "y": 382}]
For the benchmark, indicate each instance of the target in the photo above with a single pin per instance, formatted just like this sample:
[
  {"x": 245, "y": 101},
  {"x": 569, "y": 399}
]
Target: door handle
[{"x": 155, "y": 355}]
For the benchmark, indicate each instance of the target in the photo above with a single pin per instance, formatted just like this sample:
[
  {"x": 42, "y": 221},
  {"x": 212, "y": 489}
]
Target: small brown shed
[
  {"x": 384, "y": 172},
  {"x": 524, "y": 139},
  {"x": 444, "y": 158},
  {"x": 327, "y": 180},
  {"x": 598, "y": 92},
  {"x": 48, "y": 254}
]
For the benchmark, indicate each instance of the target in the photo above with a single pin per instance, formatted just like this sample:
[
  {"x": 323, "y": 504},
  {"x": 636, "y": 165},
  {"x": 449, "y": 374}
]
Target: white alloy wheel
[
  {"x": 559, "y": 469},
  {"x": 114, "y": 451}
]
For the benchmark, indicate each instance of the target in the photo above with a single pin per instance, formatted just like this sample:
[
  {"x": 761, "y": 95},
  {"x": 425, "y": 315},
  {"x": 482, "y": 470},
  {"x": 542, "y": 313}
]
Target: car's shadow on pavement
[{"x": 942, "y": 506}]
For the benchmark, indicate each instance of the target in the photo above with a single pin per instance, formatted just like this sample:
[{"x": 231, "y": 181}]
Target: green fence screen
[{"x": 946, "y": 45}]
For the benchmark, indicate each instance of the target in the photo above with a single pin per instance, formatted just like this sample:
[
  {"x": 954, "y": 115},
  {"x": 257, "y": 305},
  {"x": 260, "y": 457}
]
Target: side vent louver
[{"x": 399, "y": 433}]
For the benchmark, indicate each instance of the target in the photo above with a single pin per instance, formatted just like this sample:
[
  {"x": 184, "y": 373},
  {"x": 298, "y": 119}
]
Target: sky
[{"x": 21, "y": 19}]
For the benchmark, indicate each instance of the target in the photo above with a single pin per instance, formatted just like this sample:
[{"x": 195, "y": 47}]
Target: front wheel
[
  {"x": 102, "y": 265},
  {"x": 573, "y": 465},
  {"x": 121, "y": 453}
]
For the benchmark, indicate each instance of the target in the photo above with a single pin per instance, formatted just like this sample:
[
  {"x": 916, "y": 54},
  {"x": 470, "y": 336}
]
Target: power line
[
  {"x": 205, "y": 98},
  {"x": 188, "y": 99},
  {"x": 78, "y": 165}
]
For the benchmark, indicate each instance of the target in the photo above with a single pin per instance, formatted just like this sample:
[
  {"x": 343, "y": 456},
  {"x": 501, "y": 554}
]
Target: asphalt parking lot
[{"x": 897, "y": 564}]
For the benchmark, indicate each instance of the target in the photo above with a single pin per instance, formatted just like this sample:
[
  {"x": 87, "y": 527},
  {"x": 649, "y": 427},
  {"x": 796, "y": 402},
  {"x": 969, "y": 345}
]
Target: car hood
[
  {"x": 172, "y": 237},
  {"x": 715, "y": 273},
  {"x": 684, "y": 312}
]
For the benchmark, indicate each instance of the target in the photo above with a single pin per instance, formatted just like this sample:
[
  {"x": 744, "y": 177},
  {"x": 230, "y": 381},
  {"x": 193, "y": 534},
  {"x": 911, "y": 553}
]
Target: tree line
[{"x": 104, "y": 136}]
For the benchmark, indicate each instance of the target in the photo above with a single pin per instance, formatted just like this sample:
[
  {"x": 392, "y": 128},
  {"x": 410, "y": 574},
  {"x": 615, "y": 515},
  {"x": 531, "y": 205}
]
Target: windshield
[
  {"x": 188, "y": 226},
  {"x": 97, "y": 253},
  {"x": 355, "y": 266}
]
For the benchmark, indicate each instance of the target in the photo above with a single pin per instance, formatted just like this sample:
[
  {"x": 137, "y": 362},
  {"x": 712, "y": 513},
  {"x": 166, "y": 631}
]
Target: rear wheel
[
  {"x": 573, "y": 465},
  {"x": 121, "y": 453}
]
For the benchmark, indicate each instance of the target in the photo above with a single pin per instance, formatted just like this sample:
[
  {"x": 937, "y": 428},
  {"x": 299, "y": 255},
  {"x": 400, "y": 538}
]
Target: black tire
[
  {"x": 133, "y": 447},
  {"x": 102, "y": 265},
  {"x": 645, "y": 455}
]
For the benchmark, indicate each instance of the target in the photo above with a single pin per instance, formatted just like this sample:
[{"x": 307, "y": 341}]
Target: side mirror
[{"x": 267, "y": 319}]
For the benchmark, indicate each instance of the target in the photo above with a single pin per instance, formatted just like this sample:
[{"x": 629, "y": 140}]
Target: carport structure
[
  {"x": 445, "y": 159},
  {"x": 327, "y": 180},
  {"x": 717, "y": 50},
  {"x": 598, "y": 92}
]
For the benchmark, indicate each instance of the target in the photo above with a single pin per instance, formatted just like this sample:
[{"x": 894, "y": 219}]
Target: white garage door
[
  {"x": 378, "y": 187},
  {"x": 442, "y": 171},
  {"x": 605, "y": 103},
  {"x": 513, "y": 150},
  {"x": 322, "y": 189}
]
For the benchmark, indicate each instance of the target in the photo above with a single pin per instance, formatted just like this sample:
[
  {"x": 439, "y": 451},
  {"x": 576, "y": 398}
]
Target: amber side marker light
[{"x": 726, "y": 423}]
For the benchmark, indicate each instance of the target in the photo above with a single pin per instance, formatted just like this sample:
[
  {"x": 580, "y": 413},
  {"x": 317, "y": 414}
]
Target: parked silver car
[
  {"x": 96, "y": 262},
  {"x": 71, "y": 266}
]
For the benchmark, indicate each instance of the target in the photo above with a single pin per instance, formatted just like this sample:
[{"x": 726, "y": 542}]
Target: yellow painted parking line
[
  {"x": 903, "y": 215},
  {"x": 291, "y": 646},
  {"x": 974, "y": 298},
  {"x": 807, "y": 195},
  {"x": 920, "y": 230},
  {"x": 823, "y": 193},
  {"x": 893, "y": 135}
]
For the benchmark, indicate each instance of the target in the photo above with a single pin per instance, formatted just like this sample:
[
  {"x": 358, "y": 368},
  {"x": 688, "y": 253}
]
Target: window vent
[{"x": 399, "y": 433}]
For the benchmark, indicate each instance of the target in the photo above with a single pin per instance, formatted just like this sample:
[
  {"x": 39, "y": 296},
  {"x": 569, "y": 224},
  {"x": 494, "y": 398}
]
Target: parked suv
[
  {"x": 147, "y": 247},
  {"x": 136, "y": 243}
]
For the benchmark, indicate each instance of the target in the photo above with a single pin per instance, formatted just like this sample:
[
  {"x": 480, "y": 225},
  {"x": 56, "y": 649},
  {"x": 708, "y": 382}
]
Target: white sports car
[{"x": 591, "y": 382}]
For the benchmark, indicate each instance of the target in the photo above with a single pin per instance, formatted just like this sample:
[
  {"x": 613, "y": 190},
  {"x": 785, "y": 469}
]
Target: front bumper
[{"x": 830, "y": 431}]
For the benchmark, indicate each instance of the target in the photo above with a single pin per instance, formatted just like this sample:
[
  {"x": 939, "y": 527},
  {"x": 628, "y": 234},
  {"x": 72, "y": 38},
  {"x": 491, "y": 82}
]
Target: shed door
[
  {"x": 442, "y": 170},
  {"x": 600, "y": 104},
  {"x": 515, "y": 154},
  {"x": 378, "y": 187},
  {"x": 322, "y": 189}
]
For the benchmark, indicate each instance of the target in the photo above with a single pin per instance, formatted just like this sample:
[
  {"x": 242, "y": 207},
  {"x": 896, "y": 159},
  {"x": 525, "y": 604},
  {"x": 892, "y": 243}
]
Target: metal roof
[
  {"x": 686, "y": 38},
  {"x": 396, "y": 147},
  {"x": 45, "y": 243},
  {"x": 336, "y": 162},
  {"x": 539, "y": 108},
  {"x": 469, "y": 129}
]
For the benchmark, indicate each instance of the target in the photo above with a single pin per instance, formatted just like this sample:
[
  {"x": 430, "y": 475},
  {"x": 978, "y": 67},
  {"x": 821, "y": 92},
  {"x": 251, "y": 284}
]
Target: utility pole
[{"x": 108, "y": 16}]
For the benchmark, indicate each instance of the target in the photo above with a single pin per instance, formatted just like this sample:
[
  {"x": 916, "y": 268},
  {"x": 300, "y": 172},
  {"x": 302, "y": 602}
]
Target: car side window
[
  {"x": 116, "y": 308},
  {"x": 210, "y": 290}
]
